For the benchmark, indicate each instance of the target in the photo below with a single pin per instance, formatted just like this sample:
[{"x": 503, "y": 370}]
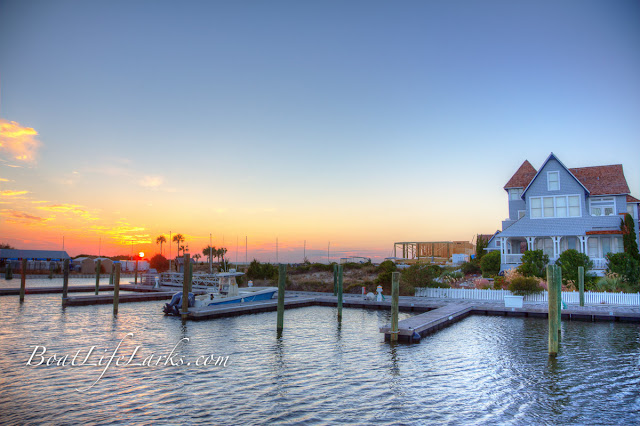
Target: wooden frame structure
[{"x": 415, "y": 250}]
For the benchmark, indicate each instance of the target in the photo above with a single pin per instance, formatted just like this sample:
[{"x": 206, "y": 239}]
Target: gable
[{"x": 553, "y": 164}]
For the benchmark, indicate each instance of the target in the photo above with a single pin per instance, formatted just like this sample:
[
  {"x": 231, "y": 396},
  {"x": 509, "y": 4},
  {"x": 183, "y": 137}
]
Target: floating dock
[{"x": 51, "y": 290}]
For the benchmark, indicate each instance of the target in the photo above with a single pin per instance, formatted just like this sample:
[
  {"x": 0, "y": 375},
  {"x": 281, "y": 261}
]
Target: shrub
[
  {"x": 569, "y": 261},
  {"x": 157, "y": 262},
  {"x": 490, "y": 264},
  {"x": 420, "y": 275},
  {"x": 610, "y": 282},
  {"x": 262, "y": 271},
  {"x": 627, "y": 226},
  {"x": 481, "y": 244},
  {"x": 472, "y": 267},
  {"x": 523, "y": 286},
  {"x": 624, "y": 265},
  {"x": 498, "y": 283},
  {"x": 534, "y": 263}
]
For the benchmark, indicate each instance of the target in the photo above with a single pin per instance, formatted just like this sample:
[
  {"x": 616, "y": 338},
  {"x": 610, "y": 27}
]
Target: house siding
[{"x": 514, "y": 206}]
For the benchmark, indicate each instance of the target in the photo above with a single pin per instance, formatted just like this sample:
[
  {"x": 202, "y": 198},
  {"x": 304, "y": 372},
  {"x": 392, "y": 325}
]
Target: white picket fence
[{"x": 569, "y": 297}]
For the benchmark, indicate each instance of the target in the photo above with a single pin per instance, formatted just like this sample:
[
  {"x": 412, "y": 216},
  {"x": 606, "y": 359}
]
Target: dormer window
[
  {"x": 603, "y": 206},
  {"x": 553, "y": 181},
  {"x": 515, "y": 193}
]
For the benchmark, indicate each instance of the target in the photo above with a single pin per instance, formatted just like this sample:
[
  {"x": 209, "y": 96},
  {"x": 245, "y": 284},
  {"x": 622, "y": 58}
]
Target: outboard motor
[{"x": 173, "y": 307}]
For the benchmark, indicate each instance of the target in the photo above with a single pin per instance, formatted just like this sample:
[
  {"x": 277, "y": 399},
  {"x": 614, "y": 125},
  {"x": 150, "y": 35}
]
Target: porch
[{"x": 596, "y": 246}]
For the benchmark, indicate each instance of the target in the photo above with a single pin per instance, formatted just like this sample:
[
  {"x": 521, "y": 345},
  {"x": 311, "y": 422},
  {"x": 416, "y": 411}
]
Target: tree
[
  {"x": 160, "y": 240},
  {"x": 159, "y": 263},
  {"x": 197, "y": 257},
  {"x": 221, "y": 252},
  {"x": 178, "y": 238},
  {"x": 534, "y": 263},
  {"x": 569, "y": 261},
  {"x": 490, "y": 264},
  {"x": 7, "y": 246},
  {"x": 209, "y": 252},
  {"x": 481, "y": 245},
  {"x": 629, "y": 236}
]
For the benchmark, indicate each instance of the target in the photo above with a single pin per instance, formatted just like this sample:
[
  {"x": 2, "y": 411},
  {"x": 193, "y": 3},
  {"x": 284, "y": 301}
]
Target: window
[
  {"x": 497, "y": 243},
  {"x": 592, "y": 246},
  {"x": 553, "y": 181},
  {"x": 603, "y": 206},
  {"x": 546, "y": 245},
  {"x": 605, "y": 242},
  {"x": 632, "y": 209},
  {"x": 520, "y": 214},
  {"x": 536, "y": 207},
  {"x": 515, "y": 193},
  {"x": 557, "y": 206}
]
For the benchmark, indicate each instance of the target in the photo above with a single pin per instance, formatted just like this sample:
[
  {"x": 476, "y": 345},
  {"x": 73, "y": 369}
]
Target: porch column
[
  {"x": 556, "y": 247},
  {"x": 531, "y": 243},
  {"x": 583, "y": 243},
  {"x": 503, "y": 249}
]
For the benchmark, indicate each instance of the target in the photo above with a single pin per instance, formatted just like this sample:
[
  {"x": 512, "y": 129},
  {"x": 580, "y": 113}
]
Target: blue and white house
[{"x": 556, "y": 208}]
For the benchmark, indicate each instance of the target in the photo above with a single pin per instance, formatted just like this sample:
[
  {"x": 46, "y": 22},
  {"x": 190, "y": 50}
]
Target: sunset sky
[{"x": 359, "y": 122}]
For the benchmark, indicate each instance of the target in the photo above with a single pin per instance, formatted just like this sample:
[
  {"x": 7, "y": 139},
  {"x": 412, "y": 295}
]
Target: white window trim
[
  {"x": 615, "y": 206},
  {"x": 556, "y": 172},
  {"x": 554, "y": 206},
  {"x": 517, "y": 191}
]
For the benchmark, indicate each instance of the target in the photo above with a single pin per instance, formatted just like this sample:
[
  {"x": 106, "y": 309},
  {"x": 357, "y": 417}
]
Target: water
[{"x": 482, "y": 370}]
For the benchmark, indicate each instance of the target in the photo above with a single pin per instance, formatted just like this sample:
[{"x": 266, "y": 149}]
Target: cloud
[
  {"x": 73, "y": 209},
  {"x": 151, "y": 181},
  {"x": 15, "y": 216},
  {"x": 124, "y": 233},
  {"x": 18, "y": 143},
  {"x": 4, "y": 180},
  {"x": 12, "y": 193}
]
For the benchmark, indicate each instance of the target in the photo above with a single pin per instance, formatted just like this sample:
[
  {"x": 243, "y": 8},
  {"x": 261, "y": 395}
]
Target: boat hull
[{"x": 244, "y": 298}]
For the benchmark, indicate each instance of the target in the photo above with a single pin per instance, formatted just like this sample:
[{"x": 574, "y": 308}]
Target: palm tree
[
  {"x": 221, "y": 253},
  {"x": 178, "y": 238},
  {"x": 209, "y": 251},
  {"x": 197, "y": 257},
  {"x": 161, "y": 239}
]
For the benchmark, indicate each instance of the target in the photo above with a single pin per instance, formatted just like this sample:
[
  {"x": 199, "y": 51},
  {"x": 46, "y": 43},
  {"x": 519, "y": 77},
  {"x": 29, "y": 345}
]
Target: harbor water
[{"x": 481, "y": 370}]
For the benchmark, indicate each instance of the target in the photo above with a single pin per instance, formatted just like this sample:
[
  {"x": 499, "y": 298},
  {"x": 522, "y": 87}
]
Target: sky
[{"x": 334, "y": 125}]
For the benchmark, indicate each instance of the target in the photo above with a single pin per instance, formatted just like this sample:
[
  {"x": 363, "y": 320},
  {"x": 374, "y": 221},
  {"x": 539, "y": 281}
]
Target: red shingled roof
[
  {"x": 611, "y": 232},
  {"x": 631, "y": 199},
  {"x": 599, "y": 180},
  {"x": 522, "y": 177},
  {"x": 602, "y": 180}
]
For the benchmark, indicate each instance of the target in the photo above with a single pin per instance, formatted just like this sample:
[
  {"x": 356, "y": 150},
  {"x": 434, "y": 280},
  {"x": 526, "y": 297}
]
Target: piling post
[
  {"x": 185, "y": 286},
  {"x": 23, "y": 279},
  {"x": 98, "y": 266},
  {"x": 190, "y": 276},
  {"x": 50, "y": 270},
  {"x": 395, "y": 293},
  {"x": 282, "y": 280},
  {"x": 557, "y": 276},
  {"x": 65, "y": 280},
  {"x": 135, "y": 279},
  {"x": 8, "y": 273},
  {"x": 340, "y": 282},
  {"x": 335, "y": 280},
  {"x": 553, "y": 314},
  {"x": 581, "y": 284},
  {"x": 116, "y": 288}
]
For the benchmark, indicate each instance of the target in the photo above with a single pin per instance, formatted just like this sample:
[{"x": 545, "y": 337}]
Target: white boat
[{"x": 225, "y": 292}]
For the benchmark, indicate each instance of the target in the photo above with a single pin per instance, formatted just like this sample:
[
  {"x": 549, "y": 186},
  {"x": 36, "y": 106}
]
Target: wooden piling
[
  {"x": 23, "y": 279},
  {"x": 135, "y": 279},
  {"x": 340, "y": 288},
  {"x": 581, "y": 284},
  {"x": 116, "y": 288},
  {"x": 113, "y": 271},
  {"x": 185, "y": 286},
  {"x": 190, "y": 276},
  {"x": 98, "y": 266},
  {"x": 335, "y": 280},
  {"x": 553, "y": 311},
  {"x": 557, "y": 276},
  {"x": 282, "y": 280},
  {"x": 395, "y": 294},
  {"x": 8, "y": 273},
  {"x": 65, "y": 279},
  {"x": 50, "y": 271}
]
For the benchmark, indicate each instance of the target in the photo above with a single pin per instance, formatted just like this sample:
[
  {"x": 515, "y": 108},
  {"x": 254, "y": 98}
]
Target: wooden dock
[
  {"x": 235, "y": 309},
  {"x": 51, "y": 290},
  {"x": 414, "y": 328}
]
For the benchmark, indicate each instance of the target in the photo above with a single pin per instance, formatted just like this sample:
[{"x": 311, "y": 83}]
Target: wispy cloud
[
  {"x": 151, "y": 181},
  {"x": 12, "y": 193},
  {"x": 72, "y": 209},
  {"x": 124, "y": 233},
  {"x": 4, "y": 180},
  {"x": 18, "y": 143},
  {"x": 15, "y": 216}
]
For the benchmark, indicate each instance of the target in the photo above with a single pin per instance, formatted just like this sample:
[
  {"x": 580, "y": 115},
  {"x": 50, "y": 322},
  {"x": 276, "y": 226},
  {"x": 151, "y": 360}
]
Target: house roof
[
  {"x": 602, "y": 180},
  {"x": 522, "y": 177},
  {"x": 632, "y": 199},
  {"x": 32, "y": 254},
  {"x": 597, "y": 180}
]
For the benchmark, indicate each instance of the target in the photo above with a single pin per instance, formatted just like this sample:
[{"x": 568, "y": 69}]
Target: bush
[
  {"x": 472, "y": 267},
  {"x": 569, "y": 261},
  {"x": 490, "y": 264},
  {"x": 523, "y": 286},
  {"x": 534, "y": 263},
  {"x": 498, "y": 283},
  {"x": 157, "y": 262},
  {"x": 610, "y": 282},
  {"x": 262, "y": 271},
  {"x": 420, "y": 275},
  {"x": 624, "y": 265}
]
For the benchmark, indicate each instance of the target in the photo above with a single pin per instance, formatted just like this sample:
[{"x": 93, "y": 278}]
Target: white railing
[
  {"x": 569, "y": 297},
  {"x": 599, "y": 263},
  {"x": 512, "y": 259},
  {"x": 176, "y": 279}
]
